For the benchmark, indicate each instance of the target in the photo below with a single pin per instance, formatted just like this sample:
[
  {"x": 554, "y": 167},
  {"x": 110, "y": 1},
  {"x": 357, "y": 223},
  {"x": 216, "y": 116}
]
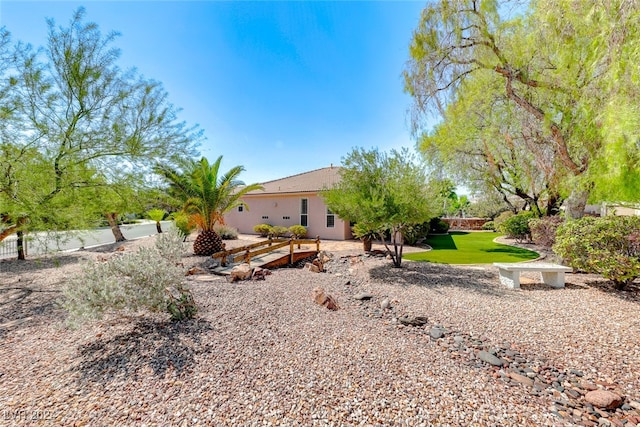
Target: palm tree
[
  {"x": 206, "y": 197},
  {"x": 157, "y": 215}
]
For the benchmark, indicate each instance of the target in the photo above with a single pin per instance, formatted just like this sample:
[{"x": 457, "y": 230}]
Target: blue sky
[{"x": 278, "y": 87}]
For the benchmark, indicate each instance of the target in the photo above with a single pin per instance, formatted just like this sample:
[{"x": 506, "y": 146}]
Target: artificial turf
[{"x": 460, "y": 247}]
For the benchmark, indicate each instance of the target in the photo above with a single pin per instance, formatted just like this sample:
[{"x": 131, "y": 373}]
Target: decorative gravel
[{"x": 264, "y": 353}]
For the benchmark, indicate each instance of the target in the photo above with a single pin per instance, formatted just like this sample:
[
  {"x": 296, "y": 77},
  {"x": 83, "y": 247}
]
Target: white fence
[{"x": 9, "y": 247}]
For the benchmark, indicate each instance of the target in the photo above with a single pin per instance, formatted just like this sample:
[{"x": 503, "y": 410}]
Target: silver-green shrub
[
  {"x": 225, "y": 232},
  {"x": 149, "y": 278}
]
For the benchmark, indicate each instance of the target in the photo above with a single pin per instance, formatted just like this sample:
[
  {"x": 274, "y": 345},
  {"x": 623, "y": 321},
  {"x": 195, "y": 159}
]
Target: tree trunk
[
  {"x": 115, "y": 228},
  {"x": 576, "y": 203},
  {"x": 21, "y": 246},
  {"x": 11, "y": 228},
  {"x": 158, "y": 227},
  {"x": 366, "y": 244},
  {"x": 553, "y": 204}
]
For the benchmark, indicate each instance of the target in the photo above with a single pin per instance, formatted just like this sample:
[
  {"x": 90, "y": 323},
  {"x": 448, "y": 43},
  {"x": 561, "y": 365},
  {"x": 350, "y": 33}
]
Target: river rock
[
  {"x": 413, "y": 320},
  {"x": 436, "y": 333},
  {"x": 489, "y": 358},
  {"x": 363, "y": 296}
]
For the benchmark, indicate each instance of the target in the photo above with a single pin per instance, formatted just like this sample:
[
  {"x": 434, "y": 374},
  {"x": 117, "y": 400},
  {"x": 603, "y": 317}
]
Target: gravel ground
[{"x": 263, "y": 353}]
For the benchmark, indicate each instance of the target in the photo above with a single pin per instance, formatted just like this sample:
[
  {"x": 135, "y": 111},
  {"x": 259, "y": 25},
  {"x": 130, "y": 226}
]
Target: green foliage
[
  {"x": 181, "y": 305},
  {"x": 156, "y": 214},
  {"x": 263, "y": 229},
  {"x": 543, "y": 230},
  {"x": 487, "y": 205},
  {"x": 517, "y": 226},
  {"x": 362, "y": 232},
  {"x": 460, "y": 247},
  {"x": 278, "y": 231},
  {"x": 79, "y": 134},
  {"x": 380, "y": 191},
  {"x": 226, "y": 232},
  {"x": 414, "y": 233},
  {"x": 147, "y": 279},
  {"x": 502, "y": 218},
  {"x": 489, "y": 226},
  {"x": 516, "y": 125},
  {"x": 609, "y": 246},
  {"x": 206, "y": 193},
  {"x": 182, "y": 223},
  {"x": 298, "y": 231},
  {"x": 438, "y": 226}
]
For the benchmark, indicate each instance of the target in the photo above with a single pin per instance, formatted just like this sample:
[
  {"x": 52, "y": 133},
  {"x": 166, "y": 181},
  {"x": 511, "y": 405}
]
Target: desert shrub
[
  {"x": 146, "y": 279},
  {"x": 226, "y": 232},
  {"x": 438, "y": 226},
  {"x": 182, "y": 223},
  {"x": 489, "y": 226},
  {"x": 502, "y": 218},
  {"x": 517, "y": 226},
  {"x": 543, "y": 230},
  {"x": 263, "y": 229},
  {"x": 279, "y": 231},
  {"x": 609, "y": 246},
  {"x": 298, "y": 231},
  {"x": 413, "y": 233}
]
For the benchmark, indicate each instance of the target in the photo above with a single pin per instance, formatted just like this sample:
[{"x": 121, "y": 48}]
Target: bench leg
[
  {"x": 553, "y": 279},
  {"x": 510, "y": 279}
]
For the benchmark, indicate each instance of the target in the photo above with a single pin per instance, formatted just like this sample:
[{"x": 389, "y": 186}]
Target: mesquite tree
[{"x": 94, "y": 127}]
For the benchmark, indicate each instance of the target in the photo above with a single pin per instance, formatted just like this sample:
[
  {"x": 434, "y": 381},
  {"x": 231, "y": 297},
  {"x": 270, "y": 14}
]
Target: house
[{"x": 291, "y": 201}]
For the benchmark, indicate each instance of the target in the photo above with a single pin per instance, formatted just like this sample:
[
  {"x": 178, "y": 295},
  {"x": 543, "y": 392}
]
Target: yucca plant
[{"x": 207, "y": 197}]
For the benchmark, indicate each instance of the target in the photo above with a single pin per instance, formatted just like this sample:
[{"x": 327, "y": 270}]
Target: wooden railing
[{"x": 245, "y": 253}]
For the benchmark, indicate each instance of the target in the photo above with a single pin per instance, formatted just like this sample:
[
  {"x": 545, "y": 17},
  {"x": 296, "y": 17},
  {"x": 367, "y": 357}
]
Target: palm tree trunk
[
  {"x": 158, "y": 227},
  {"x": 115, "y": 228}
]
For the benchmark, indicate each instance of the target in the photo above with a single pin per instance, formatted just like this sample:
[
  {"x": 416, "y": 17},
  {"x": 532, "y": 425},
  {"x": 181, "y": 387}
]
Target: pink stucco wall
[{"x": 284, "y": 210}]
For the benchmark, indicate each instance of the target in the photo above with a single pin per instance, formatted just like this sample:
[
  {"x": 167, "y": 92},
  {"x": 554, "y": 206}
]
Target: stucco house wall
[{"x": 281, "y": 203}]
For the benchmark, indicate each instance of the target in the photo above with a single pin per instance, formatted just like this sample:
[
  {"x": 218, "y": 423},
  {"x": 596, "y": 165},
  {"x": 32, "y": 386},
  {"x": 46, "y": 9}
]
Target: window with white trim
[
  {"x": 331, "y": 219},
  {"x": 304, "y": 212}
]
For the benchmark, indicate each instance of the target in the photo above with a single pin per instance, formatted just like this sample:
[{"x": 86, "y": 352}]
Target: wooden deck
[{"x": 271, "y": 253}]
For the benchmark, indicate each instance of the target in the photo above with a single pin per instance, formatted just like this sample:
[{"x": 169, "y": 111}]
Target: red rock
[
  {"x": 588, "y": 386},
  {"x": 603, "y": 399},
  {"x": 606, "y": 384},
  {"x": 616, "y": 422},
  {"x": 521, "y": 379},
  {"x": 323, "y": 298}
]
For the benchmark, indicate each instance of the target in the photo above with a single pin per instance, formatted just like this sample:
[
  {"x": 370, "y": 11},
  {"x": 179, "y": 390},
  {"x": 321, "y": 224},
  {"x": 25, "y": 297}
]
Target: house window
[
  {"x": 331, "y": 219},
  {"x": 304, "y": 212},
  {"x": 265, "y": 217},
  {"x": 240, "y": 208}
]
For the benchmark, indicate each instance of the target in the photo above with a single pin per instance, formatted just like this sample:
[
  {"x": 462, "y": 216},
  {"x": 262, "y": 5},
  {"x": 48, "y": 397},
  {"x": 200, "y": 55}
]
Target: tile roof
[{"x": 306, "y": 182}]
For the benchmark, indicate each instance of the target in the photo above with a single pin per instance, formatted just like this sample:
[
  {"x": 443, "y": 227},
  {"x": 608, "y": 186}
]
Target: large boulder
[{"x": 604, "y": 399}]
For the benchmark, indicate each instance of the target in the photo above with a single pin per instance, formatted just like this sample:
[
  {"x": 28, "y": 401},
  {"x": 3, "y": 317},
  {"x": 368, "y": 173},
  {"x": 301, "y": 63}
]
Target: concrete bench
[{"x": 551, "y": 274}]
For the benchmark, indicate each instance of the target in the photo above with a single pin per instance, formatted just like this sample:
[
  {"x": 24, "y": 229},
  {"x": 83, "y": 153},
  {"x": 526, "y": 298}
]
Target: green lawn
[{"x": 459, "y": 247}]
